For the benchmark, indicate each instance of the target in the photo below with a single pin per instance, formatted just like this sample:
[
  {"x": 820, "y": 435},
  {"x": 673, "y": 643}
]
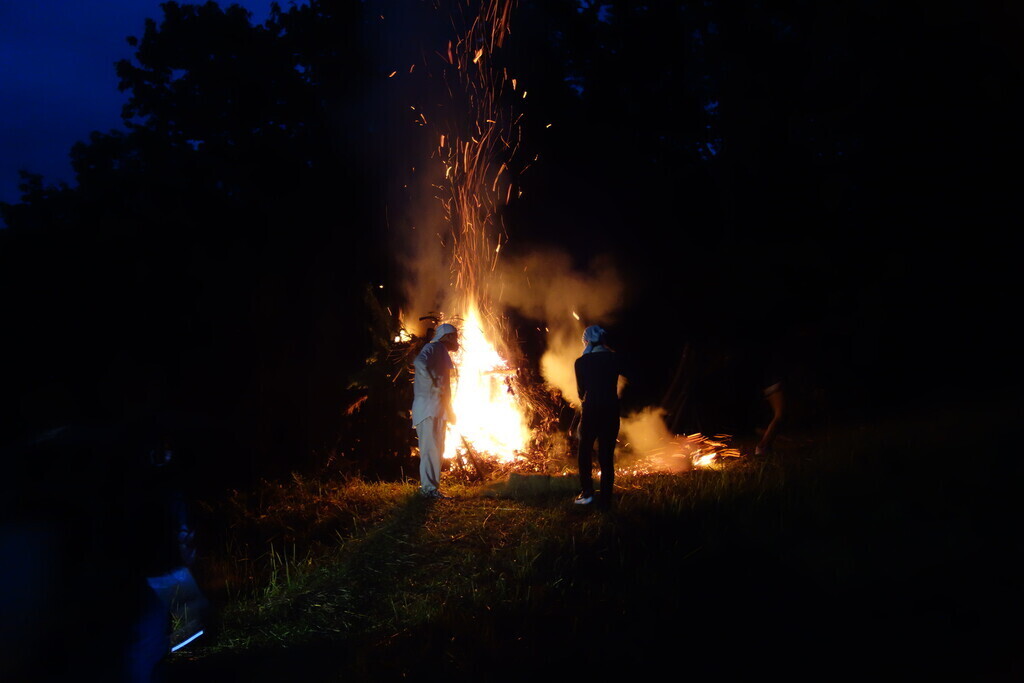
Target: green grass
[
  {"x": 356, "y": 558},
  {"x": 828, "y": 544}
]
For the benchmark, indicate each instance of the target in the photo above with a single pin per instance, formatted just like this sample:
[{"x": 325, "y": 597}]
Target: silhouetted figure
[
  {"x": 101, "y": 510},
  {"x": 163, "y": 551},
  {"x": 597, "y": 377},
  {"x": 432, "y": 404},
  {"x": 776, "y": 363},
  {"x": 775, "y": 395}
]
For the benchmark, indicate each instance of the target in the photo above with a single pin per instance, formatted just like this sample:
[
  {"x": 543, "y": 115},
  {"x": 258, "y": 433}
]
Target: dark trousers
[{"x": 604, "y": 429}]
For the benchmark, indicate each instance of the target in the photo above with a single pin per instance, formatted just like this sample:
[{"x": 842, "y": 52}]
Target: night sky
[{"x": 57, "y": 79}]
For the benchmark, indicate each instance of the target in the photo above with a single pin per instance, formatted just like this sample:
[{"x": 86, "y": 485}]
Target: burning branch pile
[
  {"x": 476, "y": 148},
  {"x": 505, "y": 416}
]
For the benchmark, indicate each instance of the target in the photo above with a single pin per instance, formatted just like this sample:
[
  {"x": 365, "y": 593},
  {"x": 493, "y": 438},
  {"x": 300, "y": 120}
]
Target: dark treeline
[
  {"x": 824, "y": 180},
  {"x": 829, "y": 182},
  {"x": 210, "y": 260}
]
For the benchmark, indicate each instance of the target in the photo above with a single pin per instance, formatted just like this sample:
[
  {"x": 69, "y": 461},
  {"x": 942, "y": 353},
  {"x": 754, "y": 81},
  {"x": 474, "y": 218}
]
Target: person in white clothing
[{"x": 432, "y": 404}]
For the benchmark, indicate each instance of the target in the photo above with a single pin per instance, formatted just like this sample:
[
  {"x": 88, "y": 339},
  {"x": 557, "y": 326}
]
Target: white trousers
[{"x": 431, "y": 434}]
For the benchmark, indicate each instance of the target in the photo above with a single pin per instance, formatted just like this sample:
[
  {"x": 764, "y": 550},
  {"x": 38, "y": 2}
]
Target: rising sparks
[
  {"x": 476, "y": 151},
  {"x": 479, "y": 149}
]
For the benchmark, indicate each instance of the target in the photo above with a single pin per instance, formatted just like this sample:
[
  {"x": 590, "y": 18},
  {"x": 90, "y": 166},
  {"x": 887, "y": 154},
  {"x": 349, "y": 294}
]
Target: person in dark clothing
[
  {"x": 597, "y": 377},
  {"x": 100, "y": 515}
]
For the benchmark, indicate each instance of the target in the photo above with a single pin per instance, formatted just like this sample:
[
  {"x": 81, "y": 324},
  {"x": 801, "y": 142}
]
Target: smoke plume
[
  {"x": 645, "y": 434},
  {"x": 544, "y": 285}
]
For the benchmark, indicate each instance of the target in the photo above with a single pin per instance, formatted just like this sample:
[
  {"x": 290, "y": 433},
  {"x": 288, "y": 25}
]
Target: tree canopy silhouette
[
  {"x": 213, "y": 252},
  {"x": 741, "y": 159}
]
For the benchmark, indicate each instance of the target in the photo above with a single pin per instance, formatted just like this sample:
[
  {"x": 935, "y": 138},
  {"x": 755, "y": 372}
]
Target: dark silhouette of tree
[
  {"x": 211, "y": 257},
  {"x": 753, "y": 166},
  {"x": 764, "y": 170}
]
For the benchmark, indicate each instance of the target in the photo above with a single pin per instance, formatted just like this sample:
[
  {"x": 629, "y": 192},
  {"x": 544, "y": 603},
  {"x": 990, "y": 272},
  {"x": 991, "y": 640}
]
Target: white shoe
[{"x": 584, "y": 500}]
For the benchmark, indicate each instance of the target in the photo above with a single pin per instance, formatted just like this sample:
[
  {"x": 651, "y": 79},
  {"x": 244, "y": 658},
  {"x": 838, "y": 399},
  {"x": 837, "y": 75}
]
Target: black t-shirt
[{"x": 597, "y": 377}]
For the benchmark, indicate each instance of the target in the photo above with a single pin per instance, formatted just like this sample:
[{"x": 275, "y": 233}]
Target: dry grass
[
  {"x": 356, "y": 558},
  {"x": 809, "y": 550}
]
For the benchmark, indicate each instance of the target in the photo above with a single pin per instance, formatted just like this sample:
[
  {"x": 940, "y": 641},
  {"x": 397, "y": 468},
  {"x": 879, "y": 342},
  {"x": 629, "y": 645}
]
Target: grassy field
[{"x": 849, "y": 553}]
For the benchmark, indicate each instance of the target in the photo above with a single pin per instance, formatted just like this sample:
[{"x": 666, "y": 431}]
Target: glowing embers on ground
[
  {"x": 682, "y": 453},
  {"x": 489, "y": 417}
]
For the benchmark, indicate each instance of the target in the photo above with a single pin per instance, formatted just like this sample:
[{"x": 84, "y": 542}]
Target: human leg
[
  {"x": 776, "y": 400},
  {"x": 606, "y": 457},
  {"x": 149, "y": 639},
  {"x": 585, "y": 455},
  {"x": 431, "y": 433}
]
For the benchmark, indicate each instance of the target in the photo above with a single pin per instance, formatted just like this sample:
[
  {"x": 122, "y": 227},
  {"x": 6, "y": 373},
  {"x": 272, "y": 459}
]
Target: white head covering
[
  {"x": 593, "y": 336},
  {"x": 442, "y": 330}
]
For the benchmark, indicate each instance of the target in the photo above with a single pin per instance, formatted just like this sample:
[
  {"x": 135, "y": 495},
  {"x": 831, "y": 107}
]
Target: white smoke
[
  {"x": 545, "y": 286},
  {"x": 647, "y": 436},
  {"x": 426, "y": 264}
]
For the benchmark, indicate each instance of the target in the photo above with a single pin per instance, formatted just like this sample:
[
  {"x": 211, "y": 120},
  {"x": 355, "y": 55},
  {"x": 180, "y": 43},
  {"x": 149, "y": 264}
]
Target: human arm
[
  {"x": 426, "y": 364},
  {"x": 433, "y": 368},
  {"x": 579, "y": 380}
]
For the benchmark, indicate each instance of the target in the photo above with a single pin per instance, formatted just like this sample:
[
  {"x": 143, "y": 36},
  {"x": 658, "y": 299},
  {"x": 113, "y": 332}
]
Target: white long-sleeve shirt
[{"x": 432, "y": 383}]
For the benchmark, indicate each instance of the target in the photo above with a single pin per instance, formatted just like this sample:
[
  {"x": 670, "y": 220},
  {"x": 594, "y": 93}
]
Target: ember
[
  {"x": 477, "y": 151},
  {"x": 656, "y": 449},
  {"x": 685, "y": 452}
]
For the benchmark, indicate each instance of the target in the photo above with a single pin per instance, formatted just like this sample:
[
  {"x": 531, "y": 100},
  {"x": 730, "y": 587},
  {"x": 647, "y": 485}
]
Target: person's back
[
  {"x": 597, "y": 382},
  {"x": 597, "y": 378}
]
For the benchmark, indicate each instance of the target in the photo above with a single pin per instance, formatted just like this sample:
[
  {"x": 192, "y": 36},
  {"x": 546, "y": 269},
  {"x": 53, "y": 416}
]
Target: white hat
[
  {"x": 594, "y": 337},
  {"x": 593, "y": 334},
  {"x": 442, "y": 330}
]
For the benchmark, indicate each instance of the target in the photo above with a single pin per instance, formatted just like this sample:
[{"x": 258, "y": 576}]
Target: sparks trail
[
  {"x": 502, "y": 412},
  {"x": 477, "y": 140},
  {"x": 477, "y": 154},
  {"x": 682, "y": 453}
]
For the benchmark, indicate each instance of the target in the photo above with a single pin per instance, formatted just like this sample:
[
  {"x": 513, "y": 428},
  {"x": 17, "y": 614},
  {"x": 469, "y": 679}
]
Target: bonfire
[{"x": 506, "y": 419}]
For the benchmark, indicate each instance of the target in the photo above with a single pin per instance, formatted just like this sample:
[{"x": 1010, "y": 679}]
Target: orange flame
[{"x": 488, "y": 414}]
